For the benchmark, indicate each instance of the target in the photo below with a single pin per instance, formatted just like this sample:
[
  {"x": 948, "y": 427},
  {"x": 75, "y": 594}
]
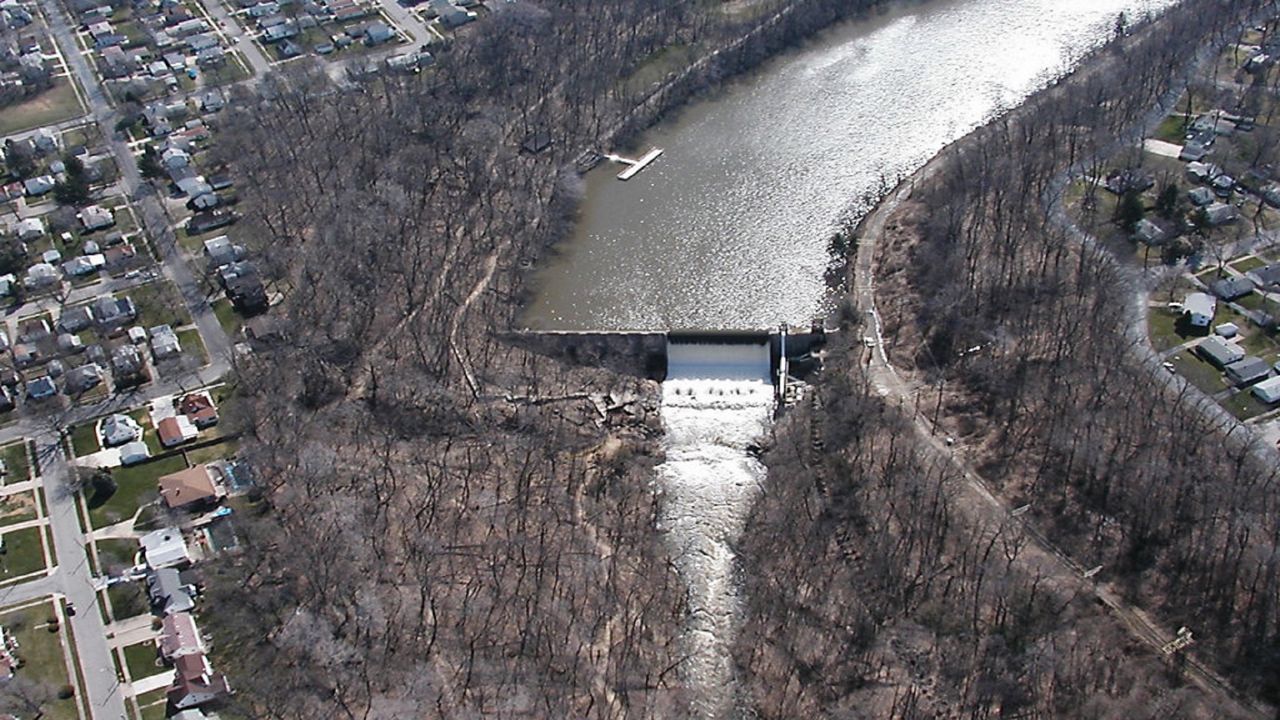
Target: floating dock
[{"x": 635, "y": 166}]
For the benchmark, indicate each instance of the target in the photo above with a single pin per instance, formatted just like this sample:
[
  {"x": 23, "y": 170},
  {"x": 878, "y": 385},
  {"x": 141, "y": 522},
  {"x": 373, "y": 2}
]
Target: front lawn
[
  {"x": 1245, "y": 405},
  {"x": 116, "y": 553},
  {"x": 1199, "y": 373},
  {"x": 135, "y": 487},
  {"x": 16, "y": 461},
  {"x": 1247, "y": 264},
  {"x": 23, "y": 553},
  {"x": 42, "y": 656},
  {"x": 1173, "y": 129},
  {"x": 141, "y": 660},
  {"x": 230, "y": 320},
  {"x": 84, "y": 439},
  {"x": 128, "y": 599},
  {"x": 1168, "y": 330},
  {"x": 17, "y": 508}
]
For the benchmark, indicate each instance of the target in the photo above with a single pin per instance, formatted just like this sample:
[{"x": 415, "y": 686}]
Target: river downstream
[{"x": 730, "y": 227}]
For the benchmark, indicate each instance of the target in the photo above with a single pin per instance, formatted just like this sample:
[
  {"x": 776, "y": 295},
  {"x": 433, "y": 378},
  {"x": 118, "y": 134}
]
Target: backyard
[{"x": 135, "y": 487}]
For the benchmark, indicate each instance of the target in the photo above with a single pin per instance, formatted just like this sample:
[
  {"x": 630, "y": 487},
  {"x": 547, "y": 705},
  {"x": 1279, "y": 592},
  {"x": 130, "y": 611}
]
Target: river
[{"x": 730, "y": 227}]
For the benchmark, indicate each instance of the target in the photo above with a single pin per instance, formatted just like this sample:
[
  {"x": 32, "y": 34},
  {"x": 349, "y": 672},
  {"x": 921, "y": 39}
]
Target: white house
[
  {"x": 164, "y": 548},
  {"x": 1200, "y": 307},
  {"x": 1268, "y": 391}
]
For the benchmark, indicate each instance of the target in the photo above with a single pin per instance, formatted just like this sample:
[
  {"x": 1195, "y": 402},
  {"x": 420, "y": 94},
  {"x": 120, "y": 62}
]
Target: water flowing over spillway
[{"x": 716, "y": 402}]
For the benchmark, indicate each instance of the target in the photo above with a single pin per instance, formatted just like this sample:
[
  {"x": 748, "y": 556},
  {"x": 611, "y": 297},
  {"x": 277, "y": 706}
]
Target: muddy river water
[{"x": 730, "y": 227}]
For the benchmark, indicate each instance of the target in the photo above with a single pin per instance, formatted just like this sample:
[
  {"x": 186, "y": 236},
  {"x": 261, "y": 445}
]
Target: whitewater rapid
[{"x": 717, "y": 402}]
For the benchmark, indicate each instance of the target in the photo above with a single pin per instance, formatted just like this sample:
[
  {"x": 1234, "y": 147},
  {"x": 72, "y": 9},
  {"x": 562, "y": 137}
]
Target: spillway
[{"x": 717, "y": 401}]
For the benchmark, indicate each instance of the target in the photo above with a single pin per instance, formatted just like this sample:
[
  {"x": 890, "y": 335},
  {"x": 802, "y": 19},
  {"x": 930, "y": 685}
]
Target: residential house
[
  {"x": 42, "y": 388},
  {"x": 165, "y": 548},
  {"x": 34, "y": 330},
  {"x": 75, "y": 319},
  {"x": 195, "y": 683},
  {"x": 205, "y": 221},
  {"x": 176, "y": 430},
  {"x": 191, "y": 489},
  {"x": 25, "y": 355},
  {"x": 1201, "y": 197},
  {"x": 1232, "y": 288},
  {"x": 167, "y": 592},
  {"x": 119, "y": 429},
  {"x": 112, "y": 312},
  {"x": 82, "y": 265},
  {"x": 29, "y": 229},
  {"x": 199, "y": 409},
  {"x": 1266, "y": 277},
  {"x": 1268, "y": 391},
  {"x": 40, "y": 276},
  {"x": 243, "y": 287},
  {"x": 164, "y": 342},
  {"x": 1219, "y": 214},
  {"x": 222, "y": 252},
  {"x": 1129, "y": 180},
  {"x": 69, "y": 344},
  {"x": 127, "y": 366},
  {"x": 1219, "y": 353},
  {"x": 84, "y": 378},
  {"x": 377, "y": 33},
  {"x": 1247, "y": 371},
  {"x": 450, "y": 15},
  {"x": 1193, "y": 150},
  {"x": 179, "y": 636},
  {"x": 1149, "y": 233},
  {"x": 96, "y": 217}
]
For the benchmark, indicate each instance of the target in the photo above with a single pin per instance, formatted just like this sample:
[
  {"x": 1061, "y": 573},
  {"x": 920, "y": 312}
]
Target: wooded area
[
  {"x": 454, "y": 525},
  {"x": 874, "y": 586}
]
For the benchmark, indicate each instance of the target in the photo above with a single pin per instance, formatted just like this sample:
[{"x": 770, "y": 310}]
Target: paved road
[
  {"x": 237, "y": 37},
  {"x": 72, "y": 577}
]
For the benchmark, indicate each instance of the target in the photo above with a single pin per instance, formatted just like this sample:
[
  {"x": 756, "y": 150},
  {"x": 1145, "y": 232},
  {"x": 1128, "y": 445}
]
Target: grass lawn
[
  {"x": 1247, "y": 264},
  {"x": 1244, "y": 405},
  {"x": 1172, "y": 129},
  {"x": 128, "y": 600},
  {"x": 1199, "y": 373},
  {"x": 16, "y": 460},
  {"x": 41, "y": 654},
  {"x": 192, "y": 345},
  {"x": 141, "y": 660},
  {"x": 17, "y": 508},
  {"x": 1258, "y": 342},
  {"x": 1167, "y": 330},
  {"x": 52, "y": 106},
  {"x": 116, "y": 553},
  {"x": 159, "y": 304},
  {"x": 152, "y": 705},
  {"x": 23, "y": 553},
  {"x": 210, "y": 453},
  {"x": 1252, "y": 301},
  {"x": 230, "y": 320},
  {"x": 136, "y": 486},
  {"x": 84, "y": 439}
]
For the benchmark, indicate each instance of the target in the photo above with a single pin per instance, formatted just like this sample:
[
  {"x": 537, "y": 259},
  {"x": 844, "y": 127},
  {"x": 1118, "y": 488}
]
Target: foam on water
[{"x": 716, "y": 402}]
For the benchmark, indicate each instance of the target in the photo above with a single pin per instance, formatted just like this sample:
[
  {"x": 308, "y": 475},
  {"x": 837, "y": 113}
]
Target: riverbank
[{"x": 997, "y": 332}]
